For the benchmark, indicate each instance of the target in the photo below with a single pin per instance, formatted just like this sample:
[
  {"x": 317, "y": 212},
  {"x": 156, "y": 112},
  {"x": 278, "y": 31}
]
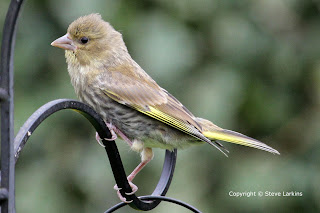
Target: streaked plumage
[{"x": 106, "y": 77}]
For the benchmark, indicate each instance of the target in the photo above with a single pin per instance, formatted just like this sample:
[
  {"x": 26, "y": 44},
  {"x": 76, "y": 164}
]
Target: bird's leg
[
  {"x": 114, "y": 131},
  {"x": 121, "y": 134},
  {"x": 146, "y": 157}
]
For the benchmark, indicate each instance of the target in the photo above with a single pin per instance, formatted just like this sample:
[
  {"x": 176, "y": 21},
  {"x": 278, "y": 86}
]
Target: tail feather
[
  {"x": 238, "y": 138},
  {"x": 218, "y": 146},
  {"x": 214, "y": 132}
]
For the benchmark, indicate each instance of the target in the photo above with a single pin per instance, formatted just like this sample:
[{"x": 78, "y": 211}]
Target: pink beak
[{"x": 64, "y": 42}]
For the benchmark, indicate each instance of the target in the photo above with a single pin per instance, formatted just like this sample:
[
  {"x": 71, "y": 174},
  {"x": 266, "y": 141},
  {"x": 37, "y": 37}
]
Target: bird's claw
[
  {"x": 123, "y": 199},
  {"x": 99, "y": 140},
  {"x": 113, "y": 133},
  {"x": 116, "y": 188},
  {"x": 113, "y": 137},
  {"x": 134, "y": 189}
]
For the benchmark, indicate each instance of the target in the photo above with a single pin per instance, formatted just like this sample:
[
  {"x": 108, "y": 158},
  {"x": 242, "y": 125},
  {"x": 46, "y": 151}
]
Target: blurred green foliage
[{"x": 250, "y": 66}]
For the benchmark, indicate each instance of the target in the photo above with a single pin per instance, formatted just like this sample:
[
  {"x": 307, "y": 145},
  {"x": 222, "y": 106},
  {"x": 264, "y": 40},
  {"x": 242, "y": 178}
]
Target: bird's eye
[{"x": 84, "y": 40}]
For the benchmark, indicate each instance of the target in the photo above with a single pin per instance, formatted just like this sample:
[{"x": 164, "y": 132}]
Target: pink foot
[
  {"x": 113, "y": 135},
  {"x": 134, "y": 189},
  {"x": 118, "y": 132}
]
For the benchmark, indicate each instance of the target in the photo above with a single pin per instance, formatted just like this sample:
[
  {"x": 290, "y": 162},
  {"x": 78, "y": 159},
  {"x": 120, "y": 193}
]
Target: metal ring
[{"x": 160, "y": 198}]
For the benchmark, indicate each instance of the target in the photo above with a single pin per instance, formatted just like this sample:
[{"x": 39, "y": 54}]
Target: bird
[{"x": 133, "y": 106}]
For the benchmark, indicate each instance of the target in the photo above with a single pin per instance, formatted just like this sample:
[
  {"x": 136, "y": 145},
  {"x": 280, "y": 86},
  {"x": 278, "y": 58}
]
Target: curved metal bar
[
  {"x": 114, "y": 157},
  {"x": 48, "y": 109},
  {"x": 158, "y": 198}
]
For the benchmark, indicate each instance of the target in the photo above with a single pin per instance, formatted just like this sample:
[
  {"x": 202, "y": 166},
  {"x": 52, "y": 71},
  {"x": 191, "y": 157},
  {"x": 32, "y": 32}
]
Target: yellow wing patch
[
  {"x": 167, "y": 119},
  {"x": 180, "y": 125}
]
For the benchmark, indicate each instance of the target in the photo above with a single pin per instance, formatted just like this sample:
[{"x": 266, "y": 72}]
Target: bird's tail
[{"x": 214, "y": 132}]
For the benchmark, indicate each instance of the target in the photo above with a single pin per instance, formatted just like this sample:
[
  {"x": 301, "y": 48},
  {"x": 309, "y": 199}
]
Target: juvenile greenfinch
[{"x": 131, "y": 103}]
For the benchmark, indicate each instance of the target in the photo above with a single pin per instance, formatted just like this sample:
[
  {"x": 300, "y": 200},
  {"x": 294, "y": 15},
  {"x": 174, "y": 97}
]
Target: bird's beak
[{"x": 64, "y": 42}]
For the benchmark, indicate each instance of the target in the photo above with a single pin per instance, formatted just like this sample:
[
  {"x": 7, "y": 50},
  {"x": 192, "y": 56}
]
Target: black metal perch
[{"x": 11, "y": 147}]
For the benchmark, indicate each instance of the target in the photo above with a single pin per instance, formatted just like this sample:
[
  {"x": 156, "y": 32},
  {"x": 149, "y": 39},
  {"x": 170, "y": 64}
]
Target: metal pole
[{"x": 7, "y": 125}]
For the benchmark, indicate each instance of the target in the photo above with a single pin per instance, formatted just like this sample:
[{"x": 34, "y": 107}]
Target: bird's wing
[{"x": 139, "y": 91}]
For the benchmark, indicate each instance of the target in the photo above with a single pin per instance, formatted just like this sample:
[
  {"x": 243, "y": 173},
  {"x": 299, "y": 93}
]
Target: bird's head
[{"x": 89, "y": 39}]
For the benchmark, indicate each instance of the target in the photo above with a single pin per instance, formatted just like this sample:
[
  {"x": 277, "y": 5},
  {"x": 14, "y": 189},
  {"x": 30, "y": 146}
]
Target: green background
[{"x": 249, "y": 66}]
